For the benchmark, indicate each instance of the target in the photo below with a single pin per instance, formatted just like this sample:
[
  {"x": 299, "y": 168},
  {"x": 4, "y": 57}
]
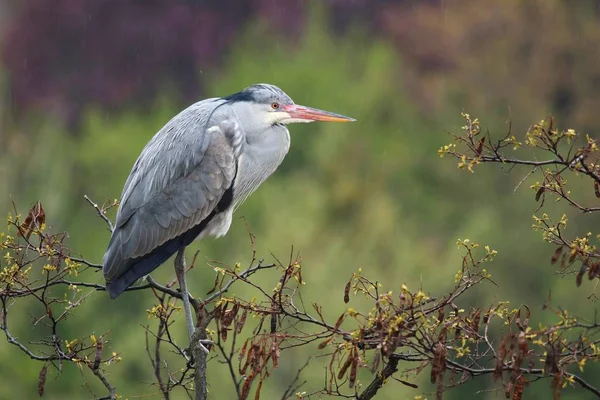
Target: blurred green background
[{"x": 85, "y": 84}]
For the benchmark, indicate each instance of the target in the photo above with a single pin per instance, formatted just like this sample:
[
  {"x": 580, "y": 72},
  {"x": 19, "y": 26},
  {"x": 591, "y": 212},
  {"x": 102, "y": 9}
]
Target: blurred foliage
[
  {"x": 74, "y": 53},
  {"x": 371, "y": 194},
  {"x": 534, "y": 57}
]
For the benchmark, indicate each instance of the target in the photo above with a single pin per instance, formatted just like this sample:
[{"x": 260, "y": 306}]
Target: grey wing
[{"x": 176, "y": 183}]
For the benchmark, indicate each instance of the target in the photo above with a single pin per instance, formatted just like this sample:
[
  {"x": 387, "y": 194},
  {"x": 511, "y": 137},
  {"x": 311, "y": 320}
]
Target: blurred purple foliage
[{"x": 65, "y": 54}]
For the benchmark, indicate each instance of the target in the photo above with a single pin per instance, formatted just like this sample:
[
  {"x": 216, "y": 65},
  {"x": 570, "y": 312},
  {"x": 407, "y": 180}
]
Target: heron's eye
[{"x": 275, "y": 106}]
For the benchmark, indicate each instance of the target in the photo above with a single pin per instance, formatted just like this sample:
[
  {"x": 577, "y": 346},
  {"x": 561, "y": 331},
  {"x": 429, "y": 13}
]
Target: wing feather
[{"x": 174, "y": 186}]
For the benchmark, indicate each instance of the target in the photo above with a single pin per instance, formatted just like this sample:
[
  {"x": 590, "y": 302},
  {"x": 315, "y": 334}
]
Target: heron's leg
[
  {"x": 180, "y": 272},
  {"x": 185, "y": 295}
]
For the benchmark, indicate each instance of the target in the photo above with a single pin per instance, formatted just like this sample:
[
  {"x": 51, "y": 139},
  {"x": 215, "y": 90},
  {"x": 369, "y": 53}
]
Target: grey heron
[{"x": 193, "y": 174}]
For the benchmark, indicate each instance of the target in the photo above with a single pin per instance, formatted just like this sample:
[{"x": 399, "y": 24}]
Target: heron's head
[{"x": 270, "y": 105}]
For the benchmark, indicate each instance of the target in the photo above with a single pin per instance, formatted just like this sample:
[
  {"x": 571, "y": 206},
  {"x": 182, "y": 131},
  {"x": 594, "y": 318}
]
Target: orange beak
[{"x": 313, "y": 114}]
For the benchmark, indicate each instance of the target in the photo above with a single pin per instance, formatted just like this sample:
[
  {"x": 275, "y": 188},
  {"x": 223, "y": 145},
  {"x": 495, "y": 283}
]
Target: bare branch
[{"x": 101, "y": 213}]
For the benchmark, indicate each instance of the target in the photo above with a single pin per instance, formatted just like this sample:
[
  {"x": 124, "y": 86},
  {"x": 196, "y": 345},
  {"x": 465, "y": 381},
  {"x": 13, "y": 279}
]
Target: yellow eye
[{"x": 274, "y": 106}]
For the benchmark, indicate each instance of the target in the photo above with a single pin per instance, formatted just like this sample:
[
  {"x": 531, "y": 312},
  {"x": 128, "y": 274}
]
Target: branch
[
  {"x": 100, "y": 213},
  {"x": 171, "y": 292},
  {"x": 12, "y": 340},
  {"x": 526, "y": 371},
  {"x": 243, "y": 276},
  {"x": 112, "y": 395},
  {"x": 58, "y": 356},
  {"x": 584, "y": 384},
  {"x": 293, "y": 387},
  {"x": 199, "y": 355},
  {"x": 371, "y": 390},
  {"x": 504, "y": 160}
]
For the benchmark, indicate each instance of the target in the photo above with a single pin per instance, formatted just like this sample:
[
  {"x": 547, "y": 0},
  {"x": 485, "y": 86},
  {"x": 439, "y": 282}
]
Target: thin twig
[
  {"x": 112, "y": 395},
  {"x": 100, "y": 213}
]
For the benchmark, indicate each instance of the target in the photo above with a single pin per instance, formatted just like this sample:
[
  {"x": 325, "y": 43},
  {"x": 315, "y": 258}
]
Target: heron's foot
[{"x": 205, "y": 345}]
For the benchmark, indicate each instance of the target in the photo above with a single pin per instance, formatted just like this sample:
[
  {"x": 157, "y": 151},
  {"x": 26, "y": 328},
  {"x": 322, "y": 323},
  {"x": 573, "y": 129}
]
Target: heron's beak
[{"x": 308, "y": 114}]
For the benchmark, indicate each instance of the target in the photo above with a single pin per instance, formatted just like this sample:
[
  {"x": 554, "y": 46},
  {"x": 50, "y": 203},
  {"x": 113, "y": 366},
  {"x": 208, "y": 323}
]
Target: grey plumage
[{"x": 195, "y": 172}]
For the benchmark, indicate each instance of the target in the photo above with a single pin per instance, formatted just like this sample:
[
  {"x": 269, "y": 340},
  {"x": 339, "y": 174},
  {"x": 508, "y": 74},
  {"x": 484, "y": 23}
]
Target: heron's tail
[
  {"x": 140, "y": 267},
  {"x": 137, "y": 268}
]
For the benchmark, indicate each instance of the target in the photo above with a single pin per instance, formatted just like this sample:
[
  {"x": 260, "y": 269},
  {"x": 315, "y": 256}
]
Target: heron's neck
[
  {"x": 273, "y": 142},
  {"x": 264, "y": 152},
  {"x": 261, "y": 156}
]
